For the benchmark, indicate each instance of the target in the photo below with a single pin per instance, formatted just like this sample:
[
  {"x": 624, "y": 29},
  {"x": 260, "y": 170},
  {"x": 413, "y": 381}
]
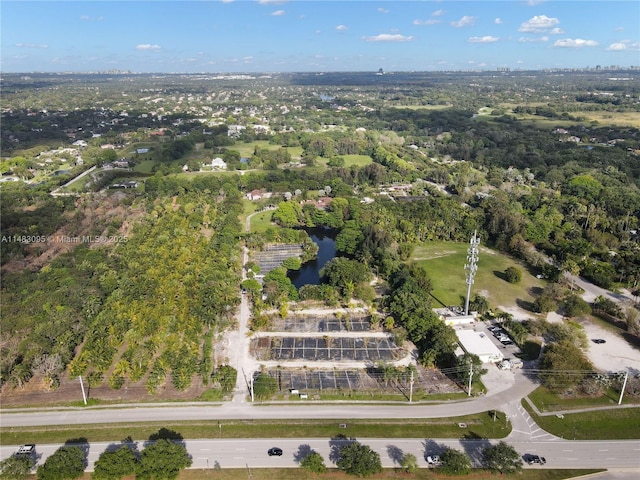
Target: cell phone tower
[{"x": 471, "y": 267}]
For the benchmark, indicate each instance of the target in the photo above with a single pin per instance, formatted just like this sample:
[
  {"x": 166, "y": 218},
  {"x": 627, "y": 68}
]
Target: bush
[
  {"x": 502, "y": 458},
  {"x": 314, "y": 463},
  {"x": 360, "y": 460},
  {"x": 409, "y": 463},
  {"x": 513, "y": 275},
  {"x": 66, "y": 463},
  {"x": 455, "y": 462}
]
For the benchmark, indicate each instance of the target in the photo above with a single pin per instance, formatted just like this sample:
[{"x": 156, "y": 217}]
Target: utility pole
[
  {"x": 471, "y": 267},
  {"x": 251, "y": 387},
  {"x": 624, "y": 384},
  {"x": 84, "y": 396},
  {"x": 411, "y": 387},
  {"x": 470, "y": 376}
]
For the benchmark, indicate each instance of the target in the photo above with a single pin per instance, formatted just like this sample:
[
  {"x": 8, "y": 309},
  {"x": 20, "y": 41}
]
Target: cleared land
[{"x": 444, "y": 262}]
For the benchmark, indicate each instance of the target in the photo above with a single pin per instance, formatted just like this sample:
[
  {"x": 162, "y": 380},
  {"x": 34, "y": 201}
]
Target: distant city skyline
[{"x": 249, "y": 36}]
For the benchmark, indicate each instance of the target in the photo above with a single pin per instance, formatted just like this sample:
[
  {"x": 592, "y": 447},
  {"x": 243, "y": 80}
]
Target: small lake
[{"x": 309, "y": 273}]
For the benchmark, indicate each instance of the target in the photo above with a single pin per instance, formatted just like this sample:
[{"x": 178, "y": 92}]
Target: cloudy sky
[{"x": 312, "y": 35}]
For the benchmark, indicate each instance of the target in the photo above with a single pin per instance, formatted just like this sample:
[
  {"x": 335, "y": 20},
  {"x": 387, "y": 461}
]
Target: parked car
[
  {"x": 534, "y": 459},
  {"x": 516, "y": 363},
  {"x": 504, "y": 365},
  {"x": 275, "y": 451},
  {"x": 598, "y": 340}
]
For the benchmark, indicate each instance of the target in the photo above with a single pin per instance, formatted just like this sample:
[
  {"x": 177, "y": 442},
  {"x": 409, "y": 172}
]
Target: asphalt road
[{"x": 252, "y": 453}]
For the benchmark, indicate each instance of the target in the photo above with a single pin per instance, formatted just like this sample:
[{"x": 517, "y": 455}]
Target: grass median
[
  {"x": 484, "y": 425},
  {"x": 614, "y": 424}
]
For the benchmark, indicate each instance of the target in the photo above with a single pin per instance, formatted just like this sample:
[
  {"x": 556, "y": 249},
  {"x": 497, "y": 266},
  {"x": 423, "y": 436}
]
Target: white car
[{"x": 434, "y": 460}]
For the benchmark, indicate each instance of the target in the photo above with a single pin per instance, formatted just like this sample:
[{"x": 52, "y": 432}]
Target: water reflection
[{"x": 309, "y": 273}]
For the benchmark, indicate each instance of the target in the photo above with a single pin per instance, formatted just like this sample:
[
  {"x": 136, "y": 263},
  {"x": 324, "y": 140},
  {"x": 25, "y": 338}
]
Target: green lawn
[
  {"x": 479, "y": 425},
  {"x": 359, "y": 160},
  {"x": 261, "y": 221},
  {"x": 547, "y": 401},
  {"x": 444, "y": 262},
  {"x": 619, "y": 424},
  {"x": 146, "y": 166},
  {"x": 247, "y": 149}
]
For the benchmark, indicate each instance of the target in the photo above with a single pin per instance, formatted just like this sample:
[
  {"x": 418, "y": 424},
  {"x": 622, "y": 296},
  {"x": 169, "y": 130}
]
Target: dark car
[
  {"x": 275, "y": 451},
  {"x": 534, "y": 459},
  {"x": 598, "y": 340}
]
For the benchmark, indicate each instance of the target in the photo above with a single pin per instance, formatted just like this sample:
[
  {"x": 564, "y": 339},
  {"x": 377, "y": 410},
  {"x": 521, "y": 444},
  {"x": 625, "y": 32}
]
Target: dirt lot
[{"x": 613, "y": 356}]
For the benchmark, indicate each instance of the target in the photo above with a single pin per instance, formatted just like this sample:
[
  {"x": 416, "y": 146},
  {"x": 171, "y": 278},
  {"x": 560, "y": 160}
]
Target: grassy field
[
  {"x": 546, "y": 401},
  {"x": 618, "y": 424},
  {"x": 444, "y": 262},
  {"x": 247, "y": 149},
  {"x": 260, "y": 222},
  {"x": 359, "y": 160},
  {"x": 146, "y": 166},
  {"x": 479, "y": 425},
  {"x": 387, "y": 473}
]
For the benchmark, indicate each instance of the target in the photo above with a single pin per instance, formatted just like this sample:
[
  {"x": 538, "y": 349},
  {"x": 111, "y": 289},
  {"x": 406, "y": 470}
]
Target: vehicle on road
[
  {"x": 534, "y": 459},
  {"x": 26, "y": 450},
  {"x": 598, "y": 340},
  {"x": 434, "y": 460},
  {"x": 275, "y": 451}
]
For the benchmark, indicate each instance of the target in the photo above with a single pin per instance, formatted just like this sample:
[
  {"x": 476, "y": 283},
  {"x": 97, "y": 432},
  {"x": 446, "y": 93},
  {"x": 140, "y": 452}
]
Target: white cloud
[
  {"x": 465, "y": 21},
  {"x": 87, "y": 18},
  {"x": 272, "y": 2},
  {"x": 438, "y": 13},
  {"x": 538, "y": 24},
  {"x": 278, "y": 13},
  {"x": 431, "y": 21},
  {"x": 227, "y": 1},
  {"x": 248, "y": 59},
  {"x": 574, "y": 43},
  {"x": 533, "y": 3},
  {"x": 498, "y": 21},
  {"x": 624, "y": 45},
  {"x": 386, "y": 37},
  {"x": 543, "y": 38},
  {"x": 556, "y": 31},
  {"x": 341, "y": 28},
  {"x": 148, "y": 46},
  {"x": 383, "y": 10},
  {"x": 485, "y": 39},
  {"x": 32, "y": 45}
]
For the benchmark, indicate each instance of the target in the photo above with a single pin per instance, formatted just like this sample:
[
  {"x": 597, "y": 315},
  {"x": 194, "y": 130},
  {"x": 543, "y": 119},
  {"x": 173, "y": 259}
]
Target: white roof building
[{"x": 479, "y": 344}]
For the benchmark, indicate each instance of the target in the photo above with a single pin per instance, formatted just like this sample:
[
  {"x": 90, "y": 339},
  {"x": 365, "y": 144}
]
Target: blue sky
[{"x": 307, "y": 35}]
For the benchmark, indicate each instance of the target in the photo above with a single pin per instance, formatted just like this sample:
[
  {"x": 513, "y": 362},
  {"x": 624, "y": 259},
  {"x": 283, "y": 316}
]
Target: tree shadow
[
  {"x": 125, "y": 443},
  {"x": 525, "y": 305},
  {"x": 473, "y": 445},
  {"x": 336, "y": 443},
  {"x": 500, "y": 275},
  {"x": 303, "y": 451},
  {"x": 83, "y": 444},
  {"x": 431, "y": 448},
  {"x": 535, "y": 291},
  {"x": 395, "y": 453},
  {"x": 166, "y": 434}
]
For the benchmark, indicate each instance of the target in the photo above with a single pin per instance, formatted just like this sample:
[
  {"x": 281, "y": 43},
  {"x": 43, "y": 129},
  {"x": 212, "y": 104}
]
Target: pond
[{"x": 309, "y": 273}]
